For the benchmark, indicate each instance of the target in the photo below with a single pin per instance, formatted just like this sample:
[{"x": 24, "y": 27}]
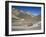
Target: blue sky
[{"x": 34, "y": 10}]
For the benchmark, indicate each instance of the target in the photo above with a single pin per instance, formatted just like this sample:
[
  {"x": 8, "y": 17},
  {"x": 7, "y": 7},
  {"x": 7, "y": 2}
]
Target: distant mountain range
[{"x": 27, "y": 16}]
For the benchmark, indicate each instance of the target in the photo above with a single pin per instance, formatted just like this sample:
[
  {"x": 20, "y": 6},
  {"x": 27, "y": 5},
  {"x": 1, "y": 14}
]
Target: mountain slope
[{"x": 23, "y": 18}]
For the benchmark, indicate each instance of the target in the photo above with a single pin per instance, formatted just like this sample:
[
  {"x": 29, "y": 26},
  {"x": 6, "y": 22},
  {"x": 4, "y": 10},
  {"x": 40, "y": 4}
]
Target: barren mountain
[{"x": 23, "y": 18}]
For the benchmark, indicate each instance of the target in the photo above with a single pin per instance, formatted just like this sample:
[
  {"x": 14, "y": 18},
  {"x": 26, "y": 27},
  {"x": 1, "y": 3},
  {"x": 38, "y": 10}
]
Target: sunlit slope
[{"x": 23, "y": 18}]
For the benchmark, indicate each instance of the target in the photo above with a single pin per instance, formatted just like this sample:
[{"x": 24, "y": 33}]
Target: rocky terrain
[{"x": 22, "y": 20}]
